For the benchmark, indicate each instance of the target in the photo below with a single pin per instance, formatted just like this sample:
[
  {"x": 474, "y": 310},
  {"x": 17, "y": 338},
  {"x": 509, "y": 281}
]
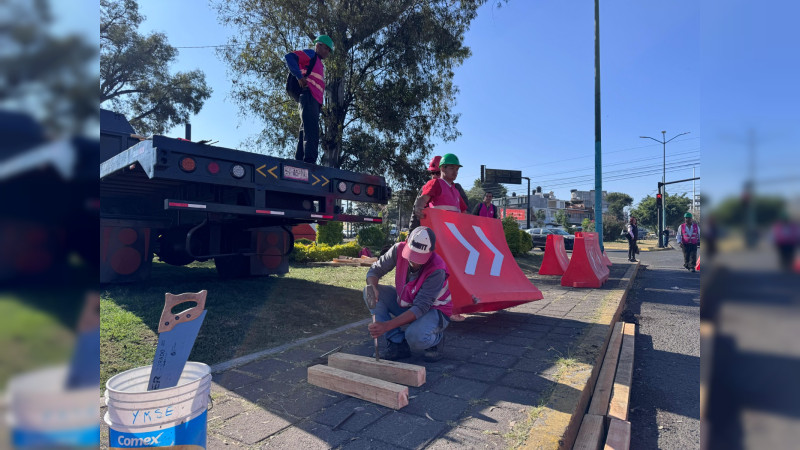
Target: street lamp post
[
  {"x": 528, "y": 211},
  {"x": 663, "y": 224}
]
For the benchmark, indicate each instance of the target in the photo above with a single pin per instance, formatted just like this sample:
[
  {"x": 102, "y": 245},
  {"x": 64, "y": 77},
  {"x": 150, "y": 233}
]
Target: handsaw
[
  {"x": 371, "y": 301},
  {"x": 176, "y": 336}
]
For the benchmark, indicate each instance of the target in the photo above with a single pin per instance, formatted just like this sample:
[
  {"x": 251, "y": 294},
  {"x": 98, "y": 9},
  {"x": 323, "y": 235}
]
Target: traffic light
[{"x": 658, "y": 201}]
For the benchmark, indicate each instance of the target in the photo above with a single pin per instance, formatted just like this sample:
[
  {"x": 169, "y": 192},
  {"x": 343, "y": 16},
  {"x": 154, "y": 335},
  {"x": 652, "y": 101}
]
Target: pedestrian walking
[
  {"x": 632, "y": 235},
  {"x": 688, "y": 236},
  {"x": 785, "y": 236},
  {"x": 310, "y": 73}
]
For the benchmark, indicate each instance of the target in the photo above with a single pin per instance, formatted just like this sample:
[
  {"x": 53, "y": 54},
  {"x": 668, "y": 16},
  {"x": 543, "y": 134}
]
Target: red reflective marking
[
  {"x": 127, "y": 236},
  {"x": 183, "y": 205}
]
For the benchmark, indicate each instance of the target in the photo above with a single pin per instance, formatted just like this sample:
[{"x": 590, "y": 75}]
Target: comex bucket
[
  {"x": 42, "y": 413},
  {"x": 172, "y": 417}
]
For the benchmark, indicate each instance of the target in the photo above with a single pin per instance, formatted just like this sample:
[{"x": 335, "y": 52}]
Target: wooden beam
[
  {"x": 605, "y": 381},
  {"x": 622, "y": 381},
  {"x": 356, "y": 385},
  {"x": 392, "y": 371},
  {"x": 590, "y": 436},
  {"x": 619, "y": 435}
]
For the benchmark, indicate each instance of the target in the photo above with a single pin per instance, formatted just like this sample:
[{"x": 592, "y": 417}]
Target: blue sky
[{"x": 527, "y": 93}]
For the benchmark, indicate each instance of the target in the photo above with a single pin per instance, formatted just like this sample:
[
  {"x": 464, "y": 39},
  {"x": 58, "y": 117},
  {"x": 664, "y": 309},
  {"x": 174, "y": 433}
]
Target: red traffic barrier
[
  {"x": 586, "y": 268},
  {"x": 606, "y": 260},
  {"x": 697, "y": 266},
  {"x": 483, "y": 274},
  {"x": 555, "y": 260}
]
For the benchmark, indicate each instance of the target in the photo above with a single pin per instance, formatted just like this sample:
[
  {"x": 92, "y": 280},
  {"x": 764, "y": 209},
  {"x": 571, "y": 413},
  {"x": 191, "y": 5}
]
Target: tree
[
  {"x": 134, "y": 72},
  {"x": 389, "y": 81},
  {"x": 646, "y": 214},
  {"x": 50, "y": 76},
  {"x": 562, "y": 218},
  {"x": 732, "y": 211},
  {"x": 617, "y": 201},
  {"x": 476, "y": 193},
  {"x": 540, "y": 217}
]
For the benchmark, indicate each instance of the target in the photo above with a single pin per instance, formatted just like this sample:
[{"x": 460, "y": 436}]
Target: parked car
[
  {"x": 642, "y": 234},
  {"x": 539, "y": 237}
]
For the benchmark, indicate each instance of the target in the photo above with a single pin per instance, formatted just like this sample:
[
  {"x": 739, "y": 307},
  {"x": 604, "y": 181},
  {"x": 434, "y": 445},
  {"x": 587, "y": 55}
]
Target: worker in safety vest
[
  {"x": 420, "y": 298},
  {"x": 435, "y": 172},
  {"x": 441, "y": 193},
  {"x": 786, "y": 236},
  {"x": 485, "y": 208},
  {"x": 688, "y": 236}
]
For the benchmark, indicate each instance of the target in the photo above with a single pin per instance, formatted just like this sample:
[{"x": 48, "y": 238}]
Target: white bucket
[
  {"x": 42, "y": 413},
  {"x": 168, "y": 417}
]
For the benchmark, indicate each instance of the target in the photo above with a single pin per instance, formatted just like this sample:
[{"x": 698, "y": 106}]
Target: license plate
[{"x": 295, "y": 173}]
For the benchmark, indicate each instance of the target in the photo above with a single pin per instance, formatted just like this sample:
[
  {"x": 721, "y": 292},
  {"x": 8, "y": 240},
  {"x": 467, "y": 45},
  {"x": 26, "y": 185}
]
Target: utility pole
[
  {"x": 528, "y": 211},
  {"x": 694, "y": 193},
  {"x": 598, "y": 164},
  {"x": 662, "y": 224}
]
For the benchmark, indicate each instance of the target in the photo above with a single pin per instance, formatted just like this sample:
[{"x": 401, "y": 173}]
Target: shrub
[
  {"x": 303, "y": 241},
  {"x": 402, "y": 236},
  {"x": 330, "y": 233},
  {"x": 525, "y": 242},
  {"x": 612, "y": 227},
  {"x": 511, "y": 230},
  {"x": 372, "y": 236},
  {"x": 323, "y": 252}
]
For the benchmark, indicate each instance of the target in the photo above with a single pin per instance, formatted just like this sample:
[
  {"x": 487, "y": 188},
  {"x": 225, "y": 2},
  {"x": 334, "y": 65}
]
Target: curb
[{"x": 560, "y": 419}]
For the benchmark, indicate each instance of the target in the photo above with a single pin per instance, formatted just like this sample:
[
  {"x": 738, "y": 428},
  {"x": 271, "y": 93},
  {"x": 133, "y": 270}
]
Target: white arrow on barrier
[
  {"x": 498, "y": 257},
  {"x": 472, "y": 260}
]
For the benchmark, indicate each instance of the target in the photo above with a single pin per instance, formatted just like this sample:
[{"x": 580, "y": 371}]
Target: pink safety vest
[
  {"x": 785, "y": 233},
  {"x": 316, "y": 81},
  {"x": 407, "y": 290},
  {"x": 694, "y": 238},
  {"x": 486, "y": 212},
  {"x": 448, "y": 199}
]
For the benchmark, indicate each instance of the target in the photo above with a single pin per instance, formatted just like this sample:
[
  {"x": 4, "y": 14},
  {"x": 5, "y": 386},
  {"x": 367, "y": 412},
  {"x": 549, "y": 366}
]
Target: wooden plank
[
  {"x": 619, "y": 435},
  {"x": 622, "y": 381},
  {"x": 372, "y": 390},
  {"x": 392, "y": 371},
  {"x": 605, "y": 381},
  {"x": 590, "y": 436}
]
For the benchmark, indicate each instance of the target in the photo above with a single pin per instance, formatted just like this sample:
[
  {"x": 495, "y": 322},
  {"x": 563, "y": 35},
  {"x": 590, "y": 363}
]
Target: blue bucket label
[
  {"x": 189, "y": 435},
  {"x": 82, "y": 437}
]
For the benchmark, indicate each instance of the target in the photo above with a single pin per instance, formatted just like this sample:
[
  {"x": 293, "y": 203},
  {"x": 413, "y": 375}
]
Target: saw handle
[{"x": 169, "y": 320}]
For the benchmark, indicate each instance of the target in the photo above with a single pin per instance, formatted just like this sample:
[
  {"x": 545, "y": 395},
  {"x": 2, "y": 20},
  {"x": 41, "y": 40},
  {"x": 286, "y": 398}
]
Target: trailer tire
[{"x": 232, "y": 266}]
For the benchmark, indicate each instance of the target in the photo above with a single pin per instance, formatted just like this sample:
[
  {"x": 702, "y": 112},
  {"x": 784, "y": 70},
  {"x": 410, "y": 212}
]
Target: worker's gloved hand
[{"x": 377, "y": 329}]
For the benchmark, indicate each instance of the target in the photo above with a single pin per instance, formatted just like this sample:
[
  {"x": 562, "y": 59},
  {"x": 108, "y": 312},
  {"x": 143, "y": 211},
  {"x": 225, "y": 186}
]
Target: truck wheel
[{"x": 232, "y": 266}]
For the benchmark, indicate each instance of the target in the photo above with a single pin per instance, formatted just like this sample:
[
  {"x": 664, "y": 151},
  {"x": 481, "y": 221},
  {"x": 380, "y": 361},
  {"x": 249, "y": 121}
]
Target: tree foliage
[
  {"x": 562, "y": 218},
  {"x": 733, "y": 211},
  {"x": 646, "y": 215},
  {"x": 476, "y": 192},
  {"x": 50, "y": 76},
  {"x": 617, "y": 201},
  {"x": 389, "y": 82},
  {"x": 134, "y": 72},
  {"x": 330, "y": 233}
]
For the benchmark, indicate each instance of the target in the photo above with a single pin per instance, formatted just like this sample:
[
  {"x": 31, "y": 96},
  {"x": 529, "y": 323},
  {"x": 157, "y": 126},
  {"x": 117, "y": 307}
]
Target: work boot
[
  {"x": 435, "y": 353},
  {"x": 395, "y": 351}
]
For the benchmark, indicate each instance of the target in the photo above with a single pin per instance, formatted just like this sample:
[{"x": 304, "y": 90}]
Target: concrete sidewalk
[{"x": 509, "y": 378}]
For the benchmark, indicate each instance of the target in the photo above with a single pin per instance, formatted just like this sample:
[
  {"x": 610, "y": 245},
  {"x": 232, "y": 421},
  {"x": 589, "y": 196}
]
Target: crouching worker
[{"x": 420, "y": 298}]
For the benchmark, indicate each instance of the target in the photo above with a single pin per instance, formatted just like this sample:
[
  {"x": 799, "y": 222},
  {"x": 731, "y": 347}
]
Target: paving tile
[
  {"x": 436, "y": 407},
  {"x": 361, "y": 419},
  {"x": 493, "y": 418},
  {"x": 533, "y": 365},
  {"x": 299, "y": 355},
  {"x": 308, "y": 435},
  {"x": 526, "y": 380},
  {"x": 506, "y": 397},
  {"x": 461, "y": 437},
  {"x": 502, "y": 347},
  {"x": 233, "y": 379},
  {"x": 404, "y": 430},
  {"x": 470, "y": 342},
  {"x": 364, "y": 443},
  {"x": 460, "y": 388},
  {"x": 253, "y": 426},
  {"x": 217, "y": 441},
  {"x": 479, "y": 372},
  {"x": 254, "y": 392},
  {"x": 226, "y": 410},
  {"x": 493, "y": 359},
  {"x": 293, "y": 375},
  {"x": 302, "y": 402},
  {"x": 265, "y": 367}
]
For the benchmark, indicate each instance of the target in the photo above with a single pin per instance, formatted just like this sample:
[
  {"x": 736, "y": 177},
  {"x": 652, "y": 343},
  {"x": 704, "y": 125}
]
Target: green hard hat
[
  {"x": 688, "y": 214},
  {"x": 325, "y": 39},
  {"x": 449, "y": 158}
]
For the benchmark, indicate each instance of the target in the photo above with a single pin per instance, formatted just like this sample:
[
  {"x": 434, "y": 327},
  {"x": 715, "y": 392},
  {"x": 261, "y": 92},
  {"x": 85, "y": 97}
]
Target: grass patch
[
  {"x": 32, "y": 335},
  {"x": 529, "y": 263},
  {"x": 244, "y": 315}
]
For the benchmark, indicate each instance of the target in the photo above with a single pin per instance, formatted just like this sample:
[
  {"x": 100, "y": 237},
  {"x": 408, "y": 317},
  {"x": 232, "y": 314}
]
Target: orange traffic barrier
[
  {"x": 483, "y": 274},
  {"x": 555, "y": 259},
  {"x": 586, "y": 267},
  {"x": 605, "y": 259}
]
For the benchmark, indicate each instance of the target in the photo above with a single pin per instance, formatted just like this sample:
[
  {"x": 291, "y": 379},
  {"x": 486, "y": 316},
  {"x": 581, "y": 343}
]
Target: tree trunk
[{"x": 333, "y": 123}]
